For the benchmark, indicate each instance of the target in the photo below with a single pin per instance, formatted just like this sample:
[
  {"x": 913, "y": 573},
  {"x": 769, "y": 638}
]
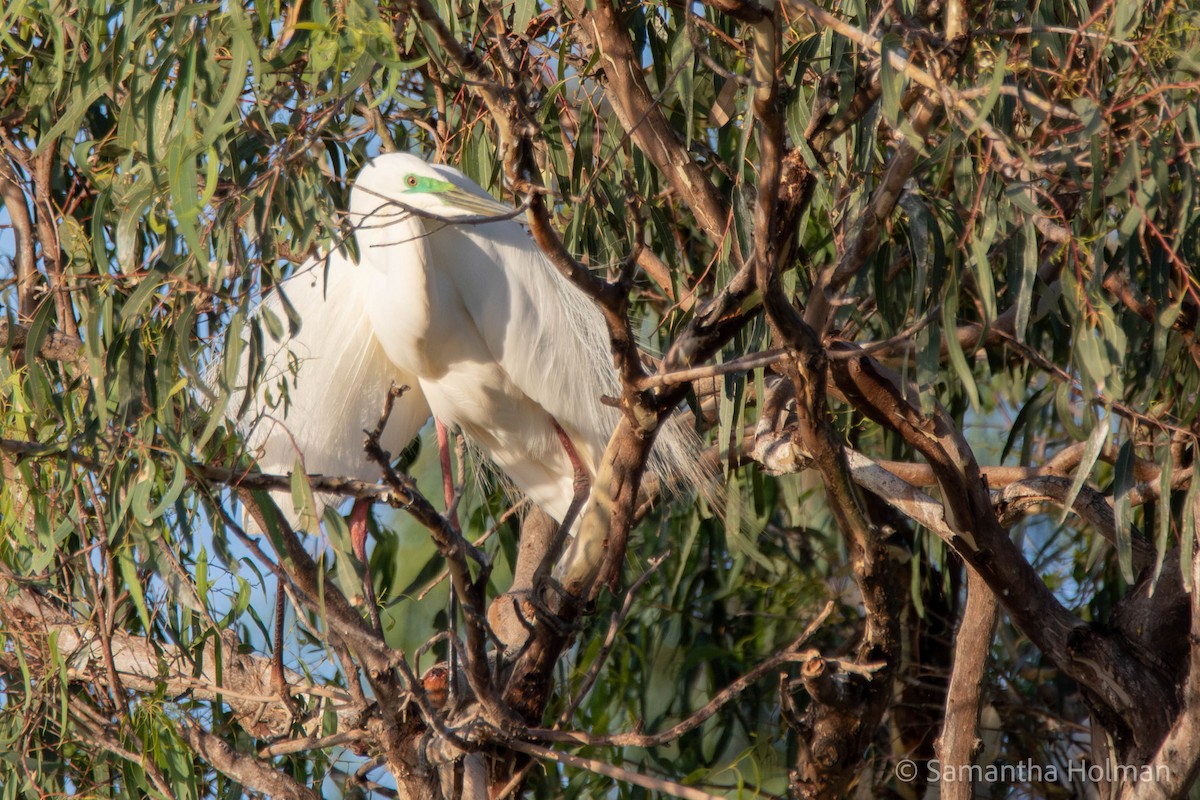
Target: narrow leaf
[
  {"x": 1122, "y": 510},
  {"x": 1091, "y": 451},
  {"x": 1162, "y": 512}
]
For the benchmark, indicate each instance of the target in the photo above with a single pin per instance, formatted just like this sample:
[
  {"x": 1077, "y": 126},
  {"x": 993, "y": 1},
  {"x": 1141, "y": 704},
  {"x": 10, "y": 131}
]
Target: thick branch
[
  {"x": 55, "y": 346},
  {"x": 641, "y": 116},
  {"x": 51, "y": 249},
  {"x": 828, "y": 760},
  {"x": 1176, "y": 765},
  {"x": 1135, "y": 699},
  {"x": 248, "y": 771},
  {"x": 18, "y": 212},
  {"x": 972, "y": 645}
]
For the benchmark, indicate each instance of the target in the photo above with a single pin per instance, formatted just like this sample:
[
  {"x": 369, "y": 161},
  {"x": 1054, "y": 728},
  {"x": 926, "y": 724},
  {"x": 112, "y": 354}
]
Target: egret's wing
[
  {"x": 327, "y": 383},
  {"x": 547, "y": 336},
  {"x": 551, "y": 340}
]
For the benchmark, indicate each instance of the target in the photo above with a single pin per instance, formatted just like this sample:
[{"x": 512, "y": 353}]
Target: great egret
[
  {"x": 475, "y": 320},
  {"x": 502, "y": 344}
]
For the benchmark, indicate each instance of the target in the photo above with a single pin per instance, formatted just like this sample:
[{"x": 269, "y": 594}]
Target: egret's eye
[{"x": 411, "y": 180}]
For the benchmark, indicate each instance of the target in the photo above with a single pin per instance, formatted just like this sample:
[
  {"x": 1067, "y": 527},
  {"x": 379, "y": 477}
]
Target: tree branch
[
  {"x": 641, "y": 116},
  {"x": 1135, "y": 699},
  {"x": 18, "y": 212},
  {"x": 244, "y": 683},
  {"x": 956, "y": 746},
  {"x": 55, "y": 346},
  {"x": 248, "y": 771}
]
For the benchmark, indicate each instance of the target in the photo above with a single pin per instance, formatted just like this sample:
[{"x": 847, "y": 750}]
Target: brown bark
[
  {"x": 957, "y": 745},
  {"x": 1135, "y": 700},
  {"x": 845, "y": 709},
  {"x": 641, "y": 116},
  {"x": 17, "y": 206}
]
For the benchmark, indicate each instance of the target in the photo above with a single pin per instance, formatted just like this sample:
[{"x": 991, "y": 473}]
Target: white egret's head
[{"x": 392, "y": 185}]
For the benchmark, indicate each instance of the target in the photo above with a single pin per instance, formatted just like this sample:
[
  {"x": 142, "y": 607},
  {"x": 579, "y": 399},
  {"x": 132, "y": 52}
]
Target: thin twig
[
  {"x": 610, "y": 638},
  {"x": 617, "y": 773},
  {"x": 786, "y": 655},
  {"x": 489, "y": 533}
]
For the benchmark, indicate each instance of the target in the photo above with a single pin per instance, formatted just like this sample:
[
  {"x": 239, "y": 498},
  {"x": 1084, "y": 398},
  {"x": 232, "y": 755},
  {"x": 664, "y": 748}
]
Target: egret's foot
[{"x": 552, "y": 591}]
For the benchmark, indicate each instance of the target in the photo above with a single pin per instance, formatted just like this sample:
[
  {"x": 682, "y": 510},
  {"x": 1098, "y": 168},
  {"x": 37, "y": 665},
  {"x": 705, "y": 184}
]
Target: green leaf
[
  {"x": 958, "y": 359},
  {"x": 131, "y": 311},
  {"x": 682, "y": 61},
  {"x": 1040, "y": 399},
  {"x": 994, "y": 85},
  {"x": 1094, "y": 365},
  {"x": 1162, "y": 512},
  {"x": 1091, "y": 451},
  {"x": 1188, "y": 533},
  {"x": 81, "y": 101},
  {"x": 891, "y": 81},
  {"x": 981, "y": 263},
  {"x": 1126, "y": 17},
  {"x": 171, "y": 494},
  {"x": 1123, "y": 484},
  {"x": 234, "y": 344},
  {"x": 74, "y": 240},
  {"x": 139, "y": 495},
  {"x": 60, "y": 667},
  {"x": 40, "y": 326},
  {"x": 133, "y": 583},
  {"x": 235, "y": 82},
  {"x": 1029, "y": 267},
  {"x": 1128, "y": 169},
  {"x": 302, "y": 498}
]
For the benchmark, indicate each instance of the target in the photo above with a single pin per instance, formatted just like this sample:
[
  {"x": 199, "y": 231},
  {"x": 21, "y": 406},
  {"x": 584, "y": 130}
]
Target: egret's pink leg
[
  {"x": 582, "y": 486},
  {"x": 358, "y": 543},
  {"x": 582, "y": 483},
  {"x": 358, "y": 529},
  {"x": 512, "y": 615},
  {"x": 443, "y": 437}
]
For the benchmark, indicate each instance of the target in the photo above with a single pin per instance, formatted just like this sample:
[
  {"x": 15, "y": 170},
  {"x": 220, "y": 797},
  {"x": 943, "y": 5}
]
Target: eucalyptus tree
[{"x": 923, "y": 275}]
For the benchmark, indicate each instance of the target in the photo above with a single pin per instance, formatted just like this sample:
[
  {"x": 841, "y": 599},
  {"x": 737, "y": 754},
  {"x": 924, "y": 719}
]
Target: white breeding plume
[
  {"x": 469, "y": 314},
  {"x": 322, "y": 386}
]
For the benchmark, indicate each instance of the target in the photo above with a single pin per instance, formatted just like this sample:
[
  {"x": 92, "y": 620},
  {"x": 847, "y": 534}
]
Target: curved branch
[
  {"x": 1133, "y": 697},
  {"x": 18, "y": 212},
  {"x": 642, "y": 117},
  {"x": 1092, "y": 507}
]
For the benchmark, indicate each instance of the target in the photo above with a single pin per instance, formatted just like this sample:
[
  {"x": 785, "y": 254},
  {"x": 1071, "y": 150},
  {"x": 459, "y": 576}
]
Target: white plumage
[
  {"x": 324, "y": 385},
  {"x": 473, "y": 317}
]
